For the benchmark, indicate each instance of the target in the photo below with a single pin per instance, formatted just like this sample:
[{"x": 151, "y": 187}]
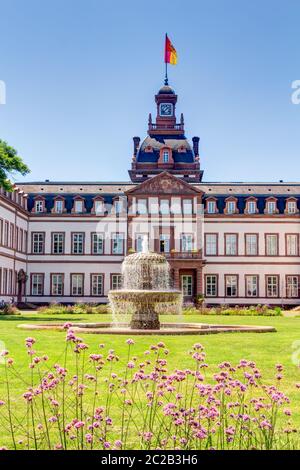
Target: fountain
[
  {"x": 146, "y": 293},
  {"x": 146, "y": 289}
]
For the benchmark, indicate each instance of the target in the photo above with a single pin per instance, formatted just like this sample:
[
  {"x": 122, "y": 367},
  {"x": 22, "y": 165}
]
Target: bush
[
  {"x": 57, "y": 309},
  {"x": 9, "y": 309},
  {"x": 258, "y": 310},
  {"x": 141, "y": 403}
]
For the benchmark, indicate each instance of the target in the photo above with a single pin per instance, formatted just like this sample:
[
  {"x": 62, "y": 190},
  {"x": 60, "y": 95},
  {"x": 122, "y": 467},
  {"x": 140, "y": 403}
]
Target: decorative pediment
[{"x": 164, "y": 183}]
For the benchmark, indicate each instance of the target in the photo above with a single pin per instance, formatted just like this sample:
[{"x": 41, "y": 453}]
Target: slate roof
[{"x": 174, "y": 142}]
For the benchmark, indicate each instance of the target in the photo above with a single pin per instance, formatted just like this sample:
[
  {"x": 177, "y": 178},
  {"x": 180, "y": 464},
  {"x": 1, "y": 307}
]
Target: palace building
[{"x": 235, "y": 243}]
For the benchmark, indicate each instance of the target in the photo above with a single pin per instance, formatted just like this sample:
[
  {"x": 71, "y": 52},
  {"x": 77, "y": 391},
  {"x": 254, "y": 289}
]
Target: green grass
[{"x": 265, "y": 349}]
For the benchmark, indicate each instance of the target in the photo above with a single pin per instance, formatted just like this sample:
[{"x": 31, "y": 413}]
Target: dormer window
[
  {"x": 78, "y": 206},
  {"x": 59, "y": 205},
  {"x": 291, "y": 206},
  {"x": 98, "y": 205},
  {"x": 211, "y": 206},
  {"x": 231, "y": 206},
  {"x": 271, "y": 206},
  {"x": 118, "y": 207},
  {"x": 39, "y": 206},
  {"x": 165, "y": 156},
  {"x": 251, "y": 206}
]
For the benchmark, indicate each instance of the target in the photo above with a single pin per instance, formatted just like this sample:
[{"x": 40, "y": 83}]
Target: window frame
[
  {"x": 79, "y": 276},
  {"x": 267, "y": 235},
  {"x": 206, "y": 276},
  {"x": 236, "y": 235},
  {"x": 226, "y": 276},
  {"x": 277, "y": 285},
  {"x": 256, "y": 235},
  {"x": 247, "y": 276},
  {"x": 32, "y": 275},
  {"x": 206, "y": 235},
  {"x": 42, "y": 252},
  {"x": 52, "y": 275},
  {"x": 92, "y": 275},
  {"x": 73, "y": 243},
  {"x": 102, "y": 235}
]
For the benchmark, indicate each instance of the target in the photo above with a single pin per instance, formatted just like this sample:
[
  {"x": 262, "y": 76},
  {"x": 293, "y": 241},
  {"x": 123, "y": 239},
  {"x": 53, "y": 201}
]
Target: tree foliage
[{"x": 10, "y": 163}]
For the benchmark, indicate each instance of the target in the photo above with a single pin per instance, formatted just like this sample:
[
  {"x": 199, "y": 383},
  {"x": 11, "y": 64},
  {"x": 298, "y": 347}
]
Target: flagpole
[{"x": 166, "y": 76}]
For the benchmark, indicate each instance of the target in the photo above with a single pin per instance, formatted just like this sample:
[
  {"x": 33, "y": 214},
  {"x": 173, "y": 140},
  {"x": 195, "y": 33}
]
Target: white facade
[{"x": 234, "y": 258}]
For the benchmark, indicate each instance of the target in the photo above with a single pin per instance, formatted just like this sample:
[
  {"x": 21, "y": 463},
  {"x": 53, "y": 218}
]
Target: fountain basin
[
  {"x": 165, "y": 328},
  {"x": 145, "y": 305}
]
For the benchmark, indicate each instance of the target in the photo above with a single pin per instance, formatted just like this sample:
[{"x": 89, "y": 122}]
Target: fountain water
[{"x": 146, "y": 289}]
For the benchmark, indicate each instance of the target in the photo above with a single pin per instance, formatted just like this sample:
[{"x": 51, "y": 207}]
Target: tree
[{"x": 10, "y": 162}]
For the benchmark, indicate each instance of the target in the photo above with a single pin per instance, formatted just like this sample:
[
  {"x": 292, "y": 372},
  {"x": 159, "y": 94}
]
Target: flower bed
[
  {"x": 56, "y": 309},
  {"x": 258, "y": 310},
  {"x": 82, "y": 403}
]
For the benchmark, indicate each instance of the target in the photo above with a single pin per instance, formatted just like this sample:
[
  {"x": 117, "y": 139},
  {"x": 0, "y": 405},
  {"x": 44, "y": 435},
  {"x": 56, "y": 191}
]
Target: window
[
  {"x": 231, "y": 284},
  {"x": 59, "y": 206},
  {"x": 57, "y": 284},
  {"x": 139, "y": 242},
  {"x": 211, "y": 244},
  {"x": 77, "y": 243},
  {"x": 37, "y": 284},
  {"x": 38, "y": 242},
  {"x": 118, "y": 244},
  {"x": 77, "y": 284},
  {"x": 271, "y": 207},
  {"x": 187, "y": 207},
  {"x": 272, "y": 244},
  {"x": 231, "y": 244},
  {"x": 231, "y": 207},
  {"x": 4, "y": 291},
  {"x": 97, "y": 243},
  {"x": 153, "y": 206},
  {"x": 251, "y": 207},
  {"x": 164, "y": 207},
  {"x": 292, "y": 286},
  {"x": 39, "y": 205},
  {"x": 211, "y": 207},
  {"x": 187, "y": 286},
  {"x": 58, "y": 242},
  {"x": 116, "y": 281},
  {"x": 251, "y": 242},
  {"x": 6, "y": 232},
  {"x": 164, "y": 243},
  {"x": 165, "y": 156},
  {"x": 99, "y": 207},
  {"x": 97, "y": 284},
  {"x": 186, "y": 242},
  {"x": 142, "y": 206},
  {"x": 251, "y": 286},
  {"x": 78, "y": 206},
  {"x": 292, "y": 244},
  {"x": 211, "y": 285},
  {"x": 272, "y": 286},
  {"x": 118, "y": 207},
  {"x": 291, "y": 207}
]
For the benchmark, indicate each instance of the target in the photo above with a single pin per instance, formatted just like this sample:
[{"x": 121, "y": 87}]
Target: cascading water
[{"x": 146, "y": 290}]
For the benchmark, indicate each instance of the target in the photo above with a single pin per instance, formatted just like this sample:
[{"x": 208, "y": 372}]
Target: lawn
[{"x": 265, "y": 349}]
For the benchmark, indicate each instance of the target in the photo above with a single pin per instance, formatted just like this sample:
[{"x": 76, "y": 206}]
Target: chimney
[
  {"x": 136, "y": 143},
  {"x": 196, "y": 146}
]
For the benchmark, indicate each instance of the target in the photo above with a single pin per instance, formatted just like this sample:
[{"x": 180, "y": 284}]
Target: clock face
[{"x": 166, "y": 109}]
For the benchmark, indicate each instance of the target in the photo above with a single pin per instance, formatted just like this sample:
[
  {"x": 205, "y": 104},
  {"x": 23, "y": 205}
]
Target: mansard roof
[{"x": 175, "y": 142}]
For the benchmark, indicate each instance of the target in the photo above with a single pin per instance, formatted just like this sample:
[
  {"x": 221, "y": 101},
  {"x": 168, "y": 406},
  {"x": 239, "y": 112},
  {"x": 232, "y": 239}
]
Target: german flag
[{"x": 170, "y": 52}]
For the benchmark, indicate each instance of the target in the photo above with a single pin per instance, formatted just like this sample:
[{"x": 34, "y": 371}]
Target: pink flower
[
  {"x": 2, "y": 402},
  {"x": 130, "y": 365},
  {"x": 79, "y": 424},
  {"x": 118, "y": 444},
  {"x": 129, "y": 341}
]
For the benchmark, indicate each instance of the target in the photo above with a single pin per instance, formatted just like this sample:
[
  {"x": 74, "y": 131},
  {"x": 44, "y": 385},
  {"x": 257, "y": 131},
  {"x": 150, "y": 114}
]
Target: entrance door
[{"x": 187, "y": 285}]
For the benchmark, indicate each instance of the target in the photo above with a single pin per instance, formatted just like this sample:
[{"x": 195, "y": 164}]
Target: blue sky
[{"x": 81, "y": 77}]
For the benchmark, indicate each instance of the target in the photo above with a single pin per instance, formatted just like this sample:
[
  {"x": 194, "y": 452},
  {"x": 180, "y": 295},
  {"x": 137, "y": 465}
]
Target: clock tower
[{"x": 166, "y": 147}]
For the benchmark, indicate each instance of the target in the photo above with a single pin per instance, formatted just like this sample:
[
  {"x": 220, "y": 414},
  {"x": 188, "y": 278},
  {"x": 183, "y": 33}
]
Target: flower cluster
[{"x": 102, "y": 401}]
